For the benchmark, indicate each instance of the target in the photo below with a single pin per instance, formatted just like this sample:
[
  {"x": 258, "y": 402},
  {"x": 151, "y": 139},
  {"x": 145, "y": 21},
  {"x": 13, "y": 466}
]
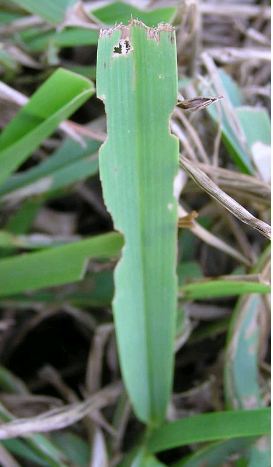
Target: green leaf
[
  {"x": 221, "y": 288},
  {"x": 60, "y": 265},
  {"x": 145, "y": 460},
  {"x": 37, "y": 41},
  {"x": 54, "y": 101},
  {"x": 120, "y": 12},
  {"x": 7, "y": 17},
  {"x": 52, "y": 11},
  {"x": 242, "y": 379},
  {"x": 10, "y": 383},
  {"x": 215, "y": 454},
  {"x": 7, "y": 60},
  {"x": 22, "y": 450},
  {"x": 231, "y": 87},
  {"x": 260, "y": 454},
  {"x": 240, "y": 153},
  {"x": 96, "y": 290},
  {"x": 75, "y": 449},
  {"x": 188, "y": 270},
  {"x": 138, "y": 164},
  {"x": 69, "y": 164},
  {"x": 36, "y": 447},
  {"x": 243, "y": 348},
  {"x": 241, "y": 367},
  {"x": 20, "y": 222},
  {"x": 255, "y": 123},
  {"x": 210, "y": 427}
]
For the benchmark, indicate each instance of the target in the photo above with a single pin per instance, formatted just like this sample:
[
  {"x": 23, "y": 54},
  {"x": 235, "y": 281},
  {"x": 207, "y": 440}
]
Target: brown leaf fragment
[
  {"x": 186, "y": 222},
  {"x": 198, "y": 103}
]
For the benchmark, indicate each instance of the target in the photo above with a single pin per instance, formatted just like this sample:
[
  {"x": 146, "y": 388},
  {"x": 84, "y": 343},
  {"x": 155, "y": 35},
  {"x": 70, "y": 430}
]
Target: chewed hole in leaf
[{"x": 123, "y": 47}]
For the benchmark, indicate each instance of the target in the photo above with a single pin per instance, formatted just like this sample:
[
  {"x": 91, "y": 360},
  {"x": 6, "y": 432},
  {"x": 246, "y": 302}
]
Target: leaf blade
[
  {"x": 61, "y": 265},
  {"x": 54, "y": 101},
  {"x": 137, "y": 182},
  {"x": 210, "y": 427}
]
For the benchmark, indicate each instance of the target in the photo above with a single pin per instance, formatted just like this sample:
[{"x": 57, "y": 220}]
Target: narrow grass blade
[
  {"x": 256, "y": 125},
  {"x": 243, "y": 347},
  {"x": 75, "y": 448},
  {"x": 238, "y": 151},
  {"x": 221, "y": 288},
  {"x": 215, "y": 454},
  {"x": 35, "y": 448},
  {"x": 51, "y": 10},
  {"x": 121, "y": 12},
  {"x": 242, "y": 378},
  {"x": 54, "y": 101},
  {"x": 38, "y": 41},
  {"x": 69, "y": 164},
  {"x": 96, "y": 290},
  {"x": 54, "y": 266},
  {"x": 210, "y": 427},
  {"x": 21, "y": 221},
  {"x": 137, "y": 79},
  {"x": 241, "y": 357}
]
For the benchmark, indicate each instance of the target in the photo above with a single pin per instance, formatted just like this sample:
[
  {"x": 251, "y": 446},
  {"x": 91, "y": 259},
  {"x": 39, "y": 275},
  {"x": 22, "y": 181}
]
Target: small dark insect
[{"x": 197, "y": 103}]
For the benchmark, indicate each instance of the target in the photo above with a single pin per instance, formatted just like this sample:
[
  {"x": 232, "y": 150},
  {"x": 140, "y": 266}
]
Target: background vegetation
[{"x": 60, "y": 380}]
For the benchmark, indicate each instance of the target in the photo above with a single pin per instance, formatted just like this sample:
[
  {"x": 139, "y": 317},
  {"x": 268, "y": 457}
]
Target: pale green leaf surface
[
  {"x": 243, "y": 347},
  {"x": 210, "y": 427},
  {"x": 231, "y": 87},
  {"x": 242, "y": 379},
  {"x": 221, "y": 288},
  {"x": 260, "y": 452},
  {"x": 255, "y": 123},
  {"x": 138, "y": 164},
  {"x": 54, "y": 266},
  {"x": 240, "y": 153},
  {"x": 121, "y": 12},
  {"x": 52, "y": 11},
  {"x": 54, "y": 101},
  {"x": 241, "y": 358}
]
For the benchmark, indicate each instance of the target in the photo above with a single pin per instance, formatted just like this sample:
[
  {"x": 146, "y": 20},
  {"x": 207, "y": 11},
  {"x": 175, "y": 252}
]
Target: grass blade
[
  {"x": 138, "y": 164},
  {"x": 69, "y": 164},
  {"x": 121, "y": 12},
  {"x": 214, "y": 454},
  {"x": 54, "y": 101},
  {"x": 242, "y": 358},
  {"x": 51, "y": 10},
  {"x": 221, "y": 288},
  {"x": 210, "y": 427},
  {"x": 38, "y": 40},
  {"x": 61, "y": 265}
]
